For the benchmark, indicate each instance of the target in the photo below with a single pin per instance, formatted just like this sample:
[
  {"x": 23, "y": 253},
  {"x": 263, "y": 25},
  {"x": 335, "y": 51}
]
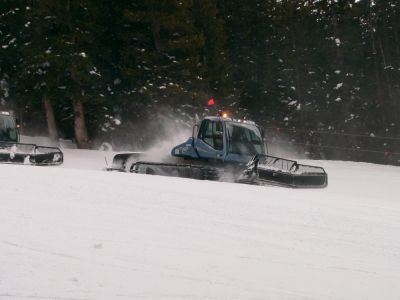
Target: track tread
[{"x": 206, "y": 173}]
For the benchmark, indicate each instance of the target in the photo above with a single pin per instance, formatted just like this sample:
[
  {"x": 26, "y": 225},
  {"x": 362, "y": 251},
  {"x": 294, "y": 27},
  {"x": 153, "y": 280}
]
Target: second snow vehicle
[
  {"x": 12, "y": 151},
  {"x": 225, "y": 149}
]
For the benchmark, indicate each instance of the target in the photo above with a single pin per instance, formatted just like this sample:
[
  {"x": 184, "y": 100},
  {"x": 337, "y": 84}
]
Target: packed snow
[{"x": 77, "y": 232}]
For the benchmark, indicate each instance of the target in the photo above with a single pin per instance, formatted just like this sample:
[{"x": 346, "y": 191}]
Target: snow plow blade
[
  {"x": 264, "y": 169},
  {"x": 123, "y": 161},
  {"x": 30, "y": 154}
]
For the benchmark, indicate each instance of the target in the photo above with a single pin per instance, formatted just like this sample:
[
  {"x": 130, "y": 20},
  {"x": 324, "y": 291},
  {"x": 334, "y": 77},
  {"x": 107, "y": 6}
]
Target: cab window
[
  {"x": 8, "y": 130},
  {"x": 211, "y": 132}
]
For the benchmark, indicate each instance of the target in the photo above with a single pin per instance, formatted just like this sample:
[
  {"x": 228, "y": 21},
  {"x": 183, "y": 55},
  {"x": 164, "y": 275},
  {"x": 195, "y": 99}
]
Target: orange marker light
[{"x": 222, "y": 114}]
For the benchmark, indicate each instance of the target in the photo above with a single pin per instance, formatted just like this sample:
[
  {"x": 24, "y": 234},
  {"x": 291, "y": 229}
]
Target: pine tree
[
  {"x": 12, "y": 21},
  {"x": 58, "y": 66}
]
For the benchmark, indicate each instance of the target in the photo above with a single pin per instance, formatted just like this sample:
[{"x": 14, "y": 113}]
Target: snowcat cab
[
  {"x": 225, "y": 149},
  {"x": 223, "y": 139},
  {"x": 11, "y": 151}
]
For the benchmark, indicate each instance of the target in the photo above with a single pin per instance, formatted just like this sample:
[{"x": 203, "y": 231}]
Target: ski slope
[{"x": 76, "y": 232}]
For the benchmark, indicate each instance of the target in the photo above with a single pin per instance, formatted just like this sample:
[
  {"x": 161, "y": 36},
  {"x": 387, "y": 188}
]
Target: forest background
[{"x": 323, "y": 76}]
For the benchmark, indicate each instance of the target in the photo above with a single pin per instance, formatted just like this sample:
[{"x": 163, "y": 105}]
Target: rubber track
[{"x": 207, "y": 173}]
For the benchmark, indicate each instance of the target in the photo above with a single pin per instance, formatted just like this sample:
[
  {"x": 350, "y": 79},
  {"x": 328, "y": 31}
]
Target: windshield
[
  {"x": 244, "y": 139},
  {"x": 8, "y": 130}
]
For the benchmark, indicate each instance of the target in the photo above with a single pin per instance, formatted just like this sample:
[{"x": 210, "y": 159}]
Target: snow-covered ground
[{"x": 77, "y": 232}]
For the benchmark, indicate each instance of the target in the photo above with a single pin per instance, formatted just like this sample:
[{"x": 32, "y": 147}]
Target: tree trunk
[
  {"x": 156, "y": 27},
  {"x": 51, "y": 121},
  {"x": 380, "y": 119},
  {"x": 81, "y": 135}
]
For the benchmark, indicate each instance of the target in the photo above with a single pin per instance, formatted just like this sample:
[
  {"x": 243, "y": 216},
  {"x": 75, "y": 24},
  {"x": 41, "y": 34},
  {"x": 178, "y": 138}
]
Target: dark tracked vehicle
[{"x": 12, "y": 151}]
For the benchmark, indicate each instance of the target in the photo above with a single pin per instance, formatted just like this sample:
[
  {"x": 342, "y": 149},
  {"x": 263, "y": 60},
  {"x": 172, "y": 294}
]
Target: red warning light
[{"x": 211, "y": 102}]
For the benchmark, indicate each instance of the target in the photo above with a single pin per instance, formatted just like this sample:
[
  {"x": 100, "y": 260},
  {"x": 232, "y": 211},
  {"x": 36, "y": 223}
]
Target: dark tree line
[{"x": 96, "y": 68}]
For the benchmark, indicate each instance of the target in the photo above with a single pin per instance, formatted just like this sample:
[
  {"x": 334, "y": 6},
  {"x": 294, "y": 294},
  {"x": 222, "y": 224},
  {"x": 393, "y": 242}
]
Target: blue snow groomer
[{"x": 225, "y": 149}]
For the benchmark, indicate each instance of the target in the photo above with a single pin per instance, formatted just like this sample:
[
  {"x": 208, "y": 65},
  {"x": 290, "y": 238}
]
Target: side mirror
[
  {"x": 264, "y": 140},
  {"x": 13, "y": 134},
  {"x": 195, "y": 130}
]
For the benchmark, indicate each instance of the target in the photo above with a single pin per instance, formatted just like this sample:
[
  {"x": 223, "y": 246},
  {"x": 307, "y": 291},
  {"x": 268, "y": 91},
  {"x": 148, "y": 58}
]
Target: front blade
[{"x": 123, "y": 161}]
